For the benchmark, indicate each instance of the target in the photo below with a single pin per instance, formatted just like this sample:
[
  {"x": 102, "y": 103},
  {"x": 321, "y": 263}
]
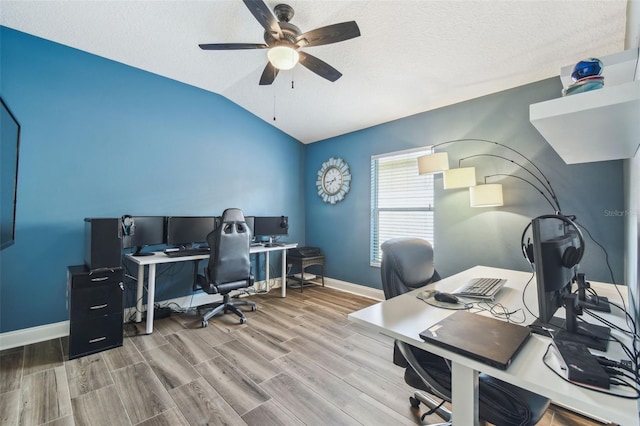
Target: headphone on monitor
[
  {"x": 570, "y": 257},
  {"x": 128, "y": 225},
  {"x": 284, "y": 222}
]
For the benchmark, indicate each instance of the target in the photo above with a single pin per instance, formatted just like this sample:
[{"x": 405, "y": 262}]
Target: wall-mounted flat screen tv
[{"x": 9, "y": 148}]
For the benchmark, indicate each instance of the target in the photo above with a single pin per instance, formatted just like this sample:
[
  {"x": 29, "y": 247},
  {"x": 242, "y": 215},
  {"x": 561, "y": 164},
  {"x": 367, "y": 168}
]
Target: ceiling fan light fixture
[{"x": 283, "y": 57}]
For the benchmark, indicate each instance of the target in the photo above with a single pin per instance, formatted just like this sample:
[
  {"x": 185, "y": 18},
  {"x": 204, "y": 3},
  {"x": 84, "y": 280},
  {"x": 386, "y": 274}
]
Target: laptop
[{"x": 485, "y": 339}]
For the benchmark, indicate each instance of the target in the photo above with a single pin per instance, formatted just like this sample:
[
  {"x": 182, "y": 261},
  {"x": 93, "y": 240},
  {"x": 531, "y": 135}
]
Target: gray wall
[{"x": 465, "y": 236}]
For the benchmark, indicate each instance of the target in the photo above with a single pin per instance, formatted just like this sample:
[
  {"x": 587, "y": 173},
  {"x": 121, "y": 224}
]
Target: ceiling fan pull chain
[{"x": 274, "y": 107}]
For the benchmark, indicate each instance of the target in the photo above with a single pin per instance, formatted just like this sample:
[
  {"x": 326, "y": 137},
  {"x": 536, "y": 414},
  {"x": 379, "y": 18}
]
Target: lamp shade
[
  {"x": 433, "y": 163},
  {"x": 487, "y": 195},
  {"x": 463, "y": 177},
  {"x": 283, "y": 57}
]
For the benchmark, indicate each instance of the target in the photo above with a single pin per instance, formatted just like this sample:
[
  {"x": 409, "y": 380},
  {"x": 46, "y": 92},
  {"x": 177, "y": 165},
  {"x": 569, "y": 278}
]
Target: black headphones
[
  {"x": 284, "y": 222},
  {"x": 572, "y": 255},
  {"x": 128, "y": 225}
]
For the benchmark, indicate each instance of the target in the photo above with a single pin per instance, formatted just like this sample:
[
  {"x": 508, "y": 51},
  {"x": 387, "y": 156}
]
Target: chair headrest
[
  {"x": 410, "y": 258},
  {"x": 232, "y": 215}
]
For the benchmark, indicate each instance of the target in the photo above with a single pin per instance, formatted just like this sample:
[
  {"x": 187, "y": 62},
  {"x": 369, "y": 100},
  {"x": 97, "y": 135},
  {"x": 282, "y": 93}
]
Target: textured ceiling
[{"x": 412, "y": 56}]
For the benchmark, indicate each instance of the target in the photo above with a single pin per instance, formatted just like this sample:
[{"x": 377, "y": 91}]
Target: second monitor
[
  {"x": 189, "y": 230},
  {"x": 270, "y": 226},
  {"x": 142, "y": 231}
]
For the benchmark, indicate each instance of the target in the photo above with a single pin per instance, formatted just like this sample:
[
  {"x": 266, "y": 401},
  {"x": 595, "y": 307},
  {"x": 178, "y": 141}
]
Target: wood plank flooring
[{"x": 297, "y": 361}]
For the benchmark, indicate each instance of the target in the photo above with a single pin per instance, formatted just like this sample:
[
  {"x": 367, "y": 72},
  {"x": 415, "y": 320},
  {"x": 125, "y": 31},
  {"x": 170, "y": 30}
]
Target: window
[{"x": 401, "y": 200}]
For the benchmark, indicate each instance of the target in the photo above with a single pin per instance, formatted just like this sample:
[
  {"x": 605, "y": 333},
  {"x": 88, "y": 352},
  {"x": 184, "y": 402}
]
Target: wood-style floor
[{"x": 297, "y": 361}]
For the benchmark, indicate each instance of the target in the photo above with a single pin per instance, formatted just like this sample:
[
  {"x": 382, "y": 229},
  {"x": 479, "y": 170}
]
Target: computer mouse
[{"x": 445, "y": 297}]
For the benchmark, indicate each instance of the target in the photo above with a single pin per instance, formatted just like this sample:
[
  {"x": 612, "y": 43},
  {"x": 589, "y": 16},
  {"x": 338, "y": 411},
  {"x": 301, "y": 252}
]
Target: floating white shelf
[{"x": 599, "y": 125}]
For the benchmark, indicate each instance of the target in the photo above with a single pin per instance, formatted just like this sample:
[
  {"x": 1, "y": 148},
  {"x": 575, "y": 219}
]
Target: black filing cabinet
[{"x": 95, "y": 310}]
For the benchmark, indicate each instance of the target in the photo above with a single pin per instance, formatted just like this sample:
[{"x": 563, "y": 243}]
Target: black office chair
[
  {"x": 229, "y": 266},
  {"x": 407, "y": 264}
]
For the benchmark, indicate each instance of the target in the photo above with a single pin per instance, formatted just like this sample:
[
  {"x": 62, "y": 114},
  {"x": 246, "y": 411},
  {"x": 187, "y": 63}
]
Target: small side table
[{"x": 303, "y": 263}]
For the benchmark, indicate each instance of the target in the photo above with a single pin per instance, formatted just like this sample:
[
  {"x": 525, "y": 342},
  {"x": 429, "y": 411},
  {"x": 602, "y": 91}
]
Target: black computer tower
[{"x": 103, "y": 243}]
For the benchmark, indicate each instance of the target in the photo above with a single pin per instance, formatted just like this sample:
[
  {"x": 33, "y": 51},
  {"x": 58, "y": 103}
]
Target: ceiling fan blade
[
  {"x": 262, "y": 13},
  {"x": 232, "y": 46},
  {"x": 329, "y": 34},
  {"x": 268, "y": 75},
  {"x": 319, "y": 67}
]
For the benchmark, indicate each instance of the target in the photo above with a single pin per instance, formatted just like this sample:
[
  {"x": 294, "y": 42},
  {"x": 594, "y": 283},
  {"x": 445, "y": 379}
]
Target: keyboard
[
  {"x": 481, "y": 288},
  {"x": 188, "y": 252}
]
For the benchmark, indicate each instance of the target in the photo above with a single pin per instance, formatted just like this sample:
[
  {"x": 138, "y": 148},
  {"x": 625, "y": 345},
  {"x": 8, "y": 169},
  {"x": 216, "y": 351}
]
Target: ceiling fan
[{"x": 283, "y": 40}]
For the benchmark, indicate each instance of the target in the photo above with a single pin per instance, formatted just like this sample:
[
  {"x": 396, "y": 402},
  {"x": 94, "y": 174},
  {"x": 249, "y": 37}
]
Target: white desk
[
  {"x": 160, "y": 257},
  {"x": 405, "y": 316}
]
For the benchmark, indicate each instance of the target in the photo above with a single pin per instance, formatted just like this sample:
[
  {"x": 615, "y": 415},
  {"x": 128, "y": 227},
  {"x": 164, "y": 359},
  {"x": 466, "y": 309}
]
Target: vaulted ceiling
[{"x": 412, "y": 56}]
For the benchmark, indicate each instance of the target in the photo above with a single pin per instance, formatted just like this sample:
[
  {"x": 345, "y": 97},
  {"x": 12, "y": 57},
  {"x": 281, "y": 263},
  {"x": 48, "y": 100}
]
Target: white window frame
[{"x": 419, "y": 190}]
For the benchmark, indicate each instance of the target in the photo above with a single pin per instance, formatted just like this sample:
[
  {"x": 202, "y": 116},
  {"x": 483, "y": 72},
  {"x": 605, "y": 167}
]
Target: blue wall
[
  {"x": 101, "y": 139},
  {"x": 466, "y": 236}
]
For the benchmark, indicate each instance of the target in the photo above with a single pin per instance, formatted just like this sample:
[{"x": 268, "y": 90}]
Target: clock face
[{"x": 333, "y": 180}]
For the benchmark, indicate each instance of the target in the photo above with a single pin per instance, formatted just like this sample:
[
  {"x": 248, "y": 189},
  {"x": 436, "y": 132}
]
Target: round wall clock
[{"x": 333, "y": 180}]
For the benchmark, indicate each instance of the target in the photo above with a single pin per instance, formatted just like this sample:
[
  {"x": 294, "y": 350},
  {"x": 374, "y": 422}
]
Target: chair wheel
[
  {"x": 205, "y": 323},
  {"x": 243, "y": 320},
  {"x": 415, "y": 403}
]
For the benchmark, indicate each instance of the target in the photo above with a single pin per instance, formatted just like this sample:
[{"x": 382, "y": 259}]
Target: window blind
[{"x": 401, "y": 200}]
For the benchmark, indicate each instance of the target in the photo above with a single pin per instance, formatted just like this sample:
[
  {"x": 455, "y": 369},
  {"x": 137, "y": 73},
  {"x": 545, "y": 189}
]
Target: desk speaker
[{"x": 103, "y": 243}]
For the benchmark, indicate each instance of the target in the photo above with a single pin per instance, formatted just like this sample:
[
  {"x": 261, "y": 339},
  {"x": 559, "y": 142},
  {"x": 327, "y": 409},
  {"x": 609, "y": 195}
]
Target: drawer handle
[
  {"x": 99, "y": 279},
  {"x": 99, "y": 306},
  {"x": 99, "y": 339}
]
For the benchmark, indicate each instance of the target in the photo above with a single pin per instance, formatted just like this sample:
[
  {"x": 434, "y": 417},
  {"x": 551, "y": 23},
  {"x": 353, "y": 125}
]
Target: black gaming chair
[
  {"x": 229, "y": 266},
  {"x": 407, "y": 264}
]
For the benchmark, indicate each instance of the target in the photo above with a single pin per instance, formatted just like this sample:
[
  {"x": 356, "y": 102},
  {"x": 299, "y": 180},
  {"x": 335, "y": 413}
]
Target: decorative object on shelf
[
  {"x": 333, "y": 180},
  {"x": 587, "y": 68},
  {"x": 586, "y": 76},
  {"x": 605, "y": 120}
]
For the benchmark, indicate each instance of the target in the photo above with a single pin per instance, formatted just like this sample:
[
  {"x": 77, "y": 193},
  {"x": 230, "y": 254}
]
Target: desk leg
[
  {"x": 266, "y": 269},
  {"x": 284, "y": 274},
  {"x": 140, "y": 294},
  {"x": 464, "y": 395},
  {"x": 151, "y": 295}
]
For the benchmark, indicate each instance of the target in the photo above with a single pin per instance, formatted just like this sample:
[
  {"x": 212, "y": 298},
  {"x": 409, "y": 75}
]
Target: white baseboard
[
  {"x": 361, "y": 290},
  {"x": 45, "y": 332},
  {"x": 28, "y": 336}
]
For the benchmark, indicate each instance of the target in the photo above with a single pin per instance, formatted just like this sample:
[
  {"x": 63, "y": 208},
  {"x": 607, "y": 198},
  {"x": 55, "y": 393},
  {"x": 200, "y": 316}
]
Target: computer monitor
[
  {"x": 143, "y": 231},
  {"x": 189, "y": 230},
  {"x": 249, "y": 220},
  {"x": 554, "y": 243},
  {"x": 270, "y": 226},
  {"x": 553, "y": 279}
]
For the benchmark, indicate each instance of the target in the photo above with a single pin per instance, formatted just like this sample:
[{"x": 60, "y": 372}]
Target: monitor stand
[
  {"x": 592, "y": 335},
  {"x": 271, "y": 243},
  {"x": 138, "y": 252},
  {"x": 593, "y": 303}
]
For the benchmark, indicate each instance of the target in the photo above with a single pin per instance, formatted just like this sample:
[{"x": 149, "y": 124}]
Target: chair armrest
[{"x": 426, "y": 378}]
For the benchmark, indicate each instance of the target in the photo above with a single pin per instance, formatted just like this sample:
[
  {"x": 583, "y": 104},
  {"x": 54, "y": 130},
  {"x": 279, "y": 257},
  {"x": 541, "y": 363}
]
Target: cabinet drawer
[
  {"x": 95, "y": 335},
  {"x": 87, "y": 279},
  {"x": 95, "y": 301}
]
